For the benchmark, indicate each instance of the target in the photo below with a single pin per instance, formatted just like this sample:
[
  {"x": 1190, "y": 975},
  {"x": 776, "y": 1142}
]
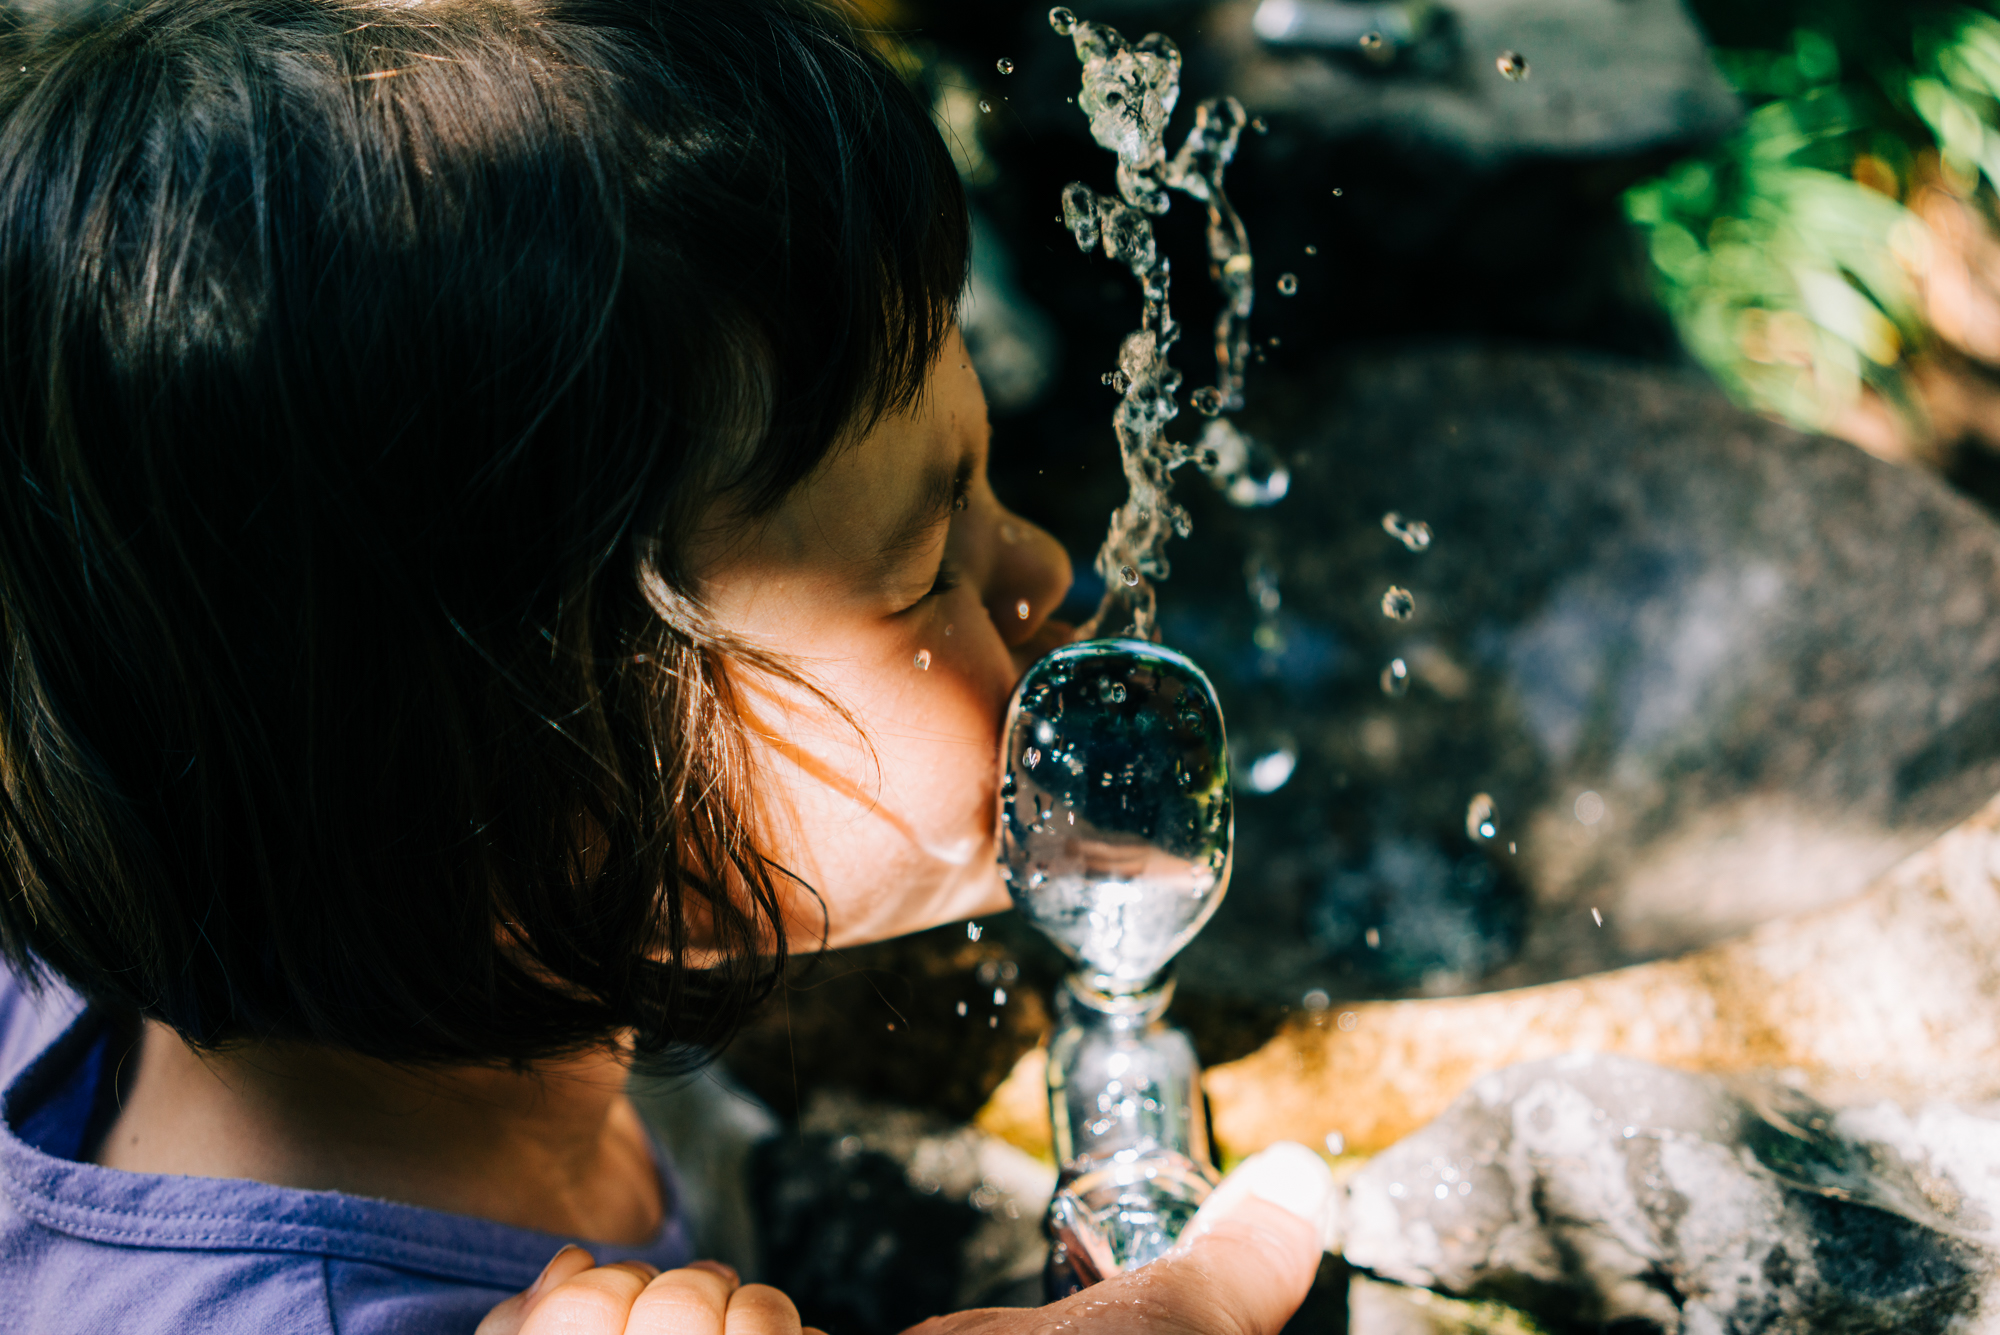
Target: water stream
[{"x": 1129, "y": 92}]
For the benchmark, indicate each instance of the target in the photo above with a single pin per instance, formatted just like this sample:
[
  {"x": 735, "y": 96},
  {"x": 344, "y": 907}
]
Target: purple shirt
[{"x": 89, "y": 1249}]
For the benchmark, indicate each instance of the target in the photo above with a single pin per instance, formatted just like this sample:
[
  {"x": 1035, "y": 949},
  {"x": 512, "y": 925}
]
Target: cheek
[
  {"x": 903, "y": 839},
  {"x": 936, "y": 731}
]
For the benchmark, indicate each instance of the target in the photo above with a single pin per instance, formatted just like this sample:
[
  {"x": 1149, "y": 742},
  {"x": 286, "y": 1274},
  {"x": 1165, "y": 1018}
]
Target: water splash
[
  {"x": 1396, "y": 679},
  {"x": 1414, "y": 534},
  {"x": 1128, "y": 93},
  {"x": 1398, "y": 604},
  {"x": 1004, "y": 65}
]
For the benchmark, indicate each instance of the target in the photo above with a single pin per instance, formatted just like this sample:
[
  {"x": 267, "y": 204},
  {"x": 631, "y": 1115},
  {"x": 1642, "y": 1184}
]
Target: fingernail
[
  {"x": 543, "y": 1278},
  {"x": 1289, "y": 1176}
]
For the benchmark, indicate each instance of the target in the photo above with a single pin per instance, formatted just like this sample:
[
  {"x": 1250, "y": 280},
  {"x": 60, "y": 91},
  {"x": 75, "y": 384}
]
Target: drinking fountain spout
[{"x": 1115, "y": 830}]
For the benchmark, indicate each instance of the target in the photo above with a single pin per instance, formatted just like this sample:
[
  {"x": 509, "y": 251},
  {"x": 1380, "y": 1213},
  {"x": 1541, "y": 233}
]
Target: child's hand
[
  {"x": 572, "y": 1297},
  {"x": 1245, "y": 1269}
]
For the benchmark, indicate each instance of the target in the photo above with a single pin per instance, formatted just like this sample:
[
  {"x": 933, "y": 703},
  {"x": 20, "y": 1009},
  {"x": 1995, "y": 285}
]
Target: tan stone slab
[{"x": 1892, "y": 994}]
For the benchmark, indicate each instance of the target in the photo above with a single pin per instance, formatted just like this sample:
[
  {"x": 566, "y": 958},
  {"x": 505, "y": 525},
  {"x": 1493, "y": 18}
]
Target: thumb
[
  {"x": 1242, "y": 1268},
  {"x": 1247, "y": 1259},
  {"x": 1285, "y": 1174},
  {"x": 511, "y": 1315}
]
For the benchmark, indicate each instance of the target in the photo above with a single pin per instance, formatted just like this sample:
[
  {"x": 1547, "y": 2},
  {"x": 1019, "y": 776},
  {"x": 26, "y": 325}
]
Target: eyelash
[{"x": 946, "y": 581}]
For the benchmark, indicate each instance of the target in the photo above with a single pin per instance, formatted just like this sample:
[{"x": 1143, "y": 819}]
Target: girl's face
[{"x": 894, "y": 580}]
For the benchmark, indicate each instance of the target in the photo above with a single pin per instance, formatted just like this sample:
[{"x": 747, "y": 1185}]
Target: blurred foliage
[{"x": 1790, "y": 255}]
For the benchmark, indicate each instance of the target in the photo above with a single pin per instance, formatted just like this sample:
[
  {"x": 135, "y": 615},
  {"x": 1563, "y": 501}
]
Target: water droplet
[
  {"x": 1396, "y": 679},
  {"x": 1348, "y": 1019},
  {"x": 1288, "y": 284},
  {"x": 1316, "y": 1000},
  {"x": 1513, "y": 66},
  {"x": 1414, "y": 534},
  {"x": 1589, "y": 808},
  {"x": 992, "y": 1022},
  {"x": 1480, "y": 816},
  {"x": 984, "y": 105},
  {"x": 1207, "y": 401},
  {"x": 972, "y": 930},
  {"x": 1336, "y": 1144},
  {"x": 1021, "y": 609},
  {"x": 1128, "y": 576},
  {"x": 923, "y": 660},
  {"x": 948, "y": 628},
  {"x": 1597, "y": 917},
  {"x": 1260, "y": 126},
  {"x": 1272, "y": 770},
  {"x": 1010, "y": 533},
  {"x": 1312, "y": 250},
  {"x": 1115, "y": 692},
  {"x": 1062, "y": 20},
  {"x": 961, "y": 1008},
  {"x": 1373, "y": 936},
  {"x": 999, "y": 996},
  {"x": 1337, "y": 192},
  {"x": 1370, "y": 41},
  {"x": 1031, "y": 757},
  {"x": 1441, "y": 1191},
  {"x": 1004, "y": 65},
  {"x": 1398, "y": 604}
]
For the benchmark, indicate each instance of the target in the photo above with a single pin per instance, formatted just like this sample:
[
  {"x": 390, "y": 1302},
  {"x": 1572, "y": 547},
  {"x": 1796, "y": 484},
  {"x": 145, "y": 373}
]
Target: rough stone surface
[{"x": 1602, "y": 1192}]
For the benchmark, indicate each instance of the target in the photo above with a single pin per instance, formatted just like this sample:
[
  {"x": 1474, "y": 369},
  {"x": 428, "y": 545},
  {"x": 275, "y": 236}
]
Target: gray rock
[
  {"x": 1604, "y": 77},
  {"x": 1591, "y": 1191},
  {"x": 1712, "y": 672}
]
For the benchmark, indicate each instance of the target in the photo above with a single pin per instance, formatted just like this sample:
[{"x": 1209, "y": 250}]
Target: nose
[{"x": 1030, "y": 576}]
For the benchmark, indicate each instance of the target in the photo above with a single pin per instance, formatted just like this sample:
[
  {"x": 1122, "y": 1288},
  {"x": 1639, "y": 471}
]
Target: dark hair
[{"x": 365, "y": 369}]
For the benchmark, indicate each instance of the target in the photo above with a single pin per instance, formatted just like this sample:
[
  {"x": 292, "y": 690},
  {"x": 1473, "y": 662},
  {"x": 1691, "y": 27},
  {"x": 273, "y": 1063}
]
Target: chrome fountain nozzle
[{"x": 1115, "y": 830}]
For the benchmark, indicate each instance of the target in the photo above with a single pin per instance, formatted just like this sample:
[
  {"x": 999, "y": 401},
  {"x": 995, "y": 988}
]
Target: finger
[
  {"x": 1286, "y": 1174},
  {"x": 690, "y": 1301},
  {"x": 1247, "y": 1259},
  {"x": 1246, "y": 1275},
  {"x": 594, "y": 1302},
  {"x": 506, "y": 1318},
  {"x": 759, "y": 1309},
  {"x": 1249, "y": 1256}
]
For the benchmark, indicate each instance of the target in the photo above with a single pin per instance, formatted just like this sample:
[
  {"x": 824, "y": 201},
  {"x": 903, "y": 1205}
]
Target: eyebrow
[{"x": 942, "y": 491}]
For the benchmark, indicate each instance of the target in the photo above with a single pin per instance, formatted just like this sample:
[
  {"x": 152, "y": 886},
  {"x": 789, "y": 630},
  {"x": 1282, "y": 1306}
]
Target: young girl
[{"x": 494, "y": 549}]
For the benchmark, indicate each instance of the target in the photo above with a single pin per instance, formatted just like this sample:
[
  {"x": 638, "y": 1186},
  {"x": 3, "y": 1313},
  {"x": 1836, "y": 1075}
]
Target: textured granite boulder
[{"x": 1596, "y": 1191}]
